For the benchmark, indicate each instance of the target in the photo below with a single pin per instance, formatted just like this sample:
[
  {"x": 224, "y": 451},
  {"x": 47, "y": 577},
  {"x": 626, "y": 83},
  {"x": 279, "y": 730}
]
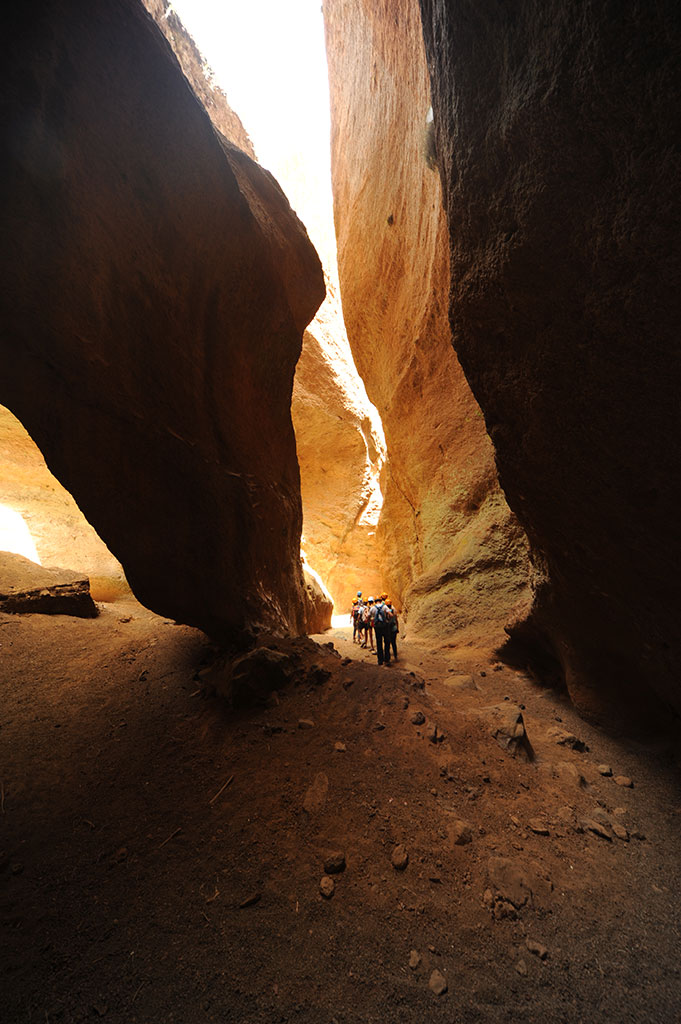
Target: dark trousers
[
  {"x": 393, "y": 641},
  {"x": 382, "y": 644}
]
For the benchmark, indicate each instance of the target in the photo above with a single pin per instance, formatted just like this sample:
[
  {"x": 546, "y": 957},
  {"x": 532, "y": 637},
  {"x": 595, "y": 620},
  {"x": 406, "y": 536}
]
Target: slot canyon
[{"x": 230, "y": 403}]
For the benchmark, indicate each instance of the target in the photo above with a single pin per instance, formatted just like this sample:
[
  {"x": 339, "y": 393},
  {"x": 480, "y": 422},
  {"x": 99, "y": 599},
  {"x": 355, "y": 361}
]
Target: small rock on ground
[
  {"x": 624, "y": 780},
  {"x": 305, "y": 723},
  {"x": 437, "y": 983},
  {"x": 399, "y": 858},
  {"x": 335, "y": 863},
  {"x": 605, "y": 769},
  {"x": 598, "y": 830},
  {"x": 521, "y": 968},
  {"x": 621, "y": 832},
  {"x": 327, "y": 887},
  {"x": 418, "y": 718},
  {"x": 461, "y": 833},
  {"x": 414, "y": 959},
  {"x": 340, "y": 747},
  {"x": 537, "y": 948},
  {"x": 538, "y": 827}
]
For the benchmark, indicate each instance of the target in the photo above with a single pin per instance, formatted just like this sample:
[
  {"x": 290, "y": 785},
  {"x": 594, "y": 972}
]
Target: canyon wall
[
  {"x": 40, "y": 519},
  {"x": 341, "y": 451},
  {"x": 557, "y": 131},
  {"x": 155, "y": 287},
  {"x": 339, "y": 437},
  {"x": 447, "y": 543}
]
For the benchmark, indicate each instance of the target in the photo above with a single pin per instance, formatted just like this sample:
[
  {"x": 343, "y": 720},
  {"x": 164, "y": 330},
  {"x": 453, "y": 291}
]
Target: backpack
[
  {"x": 380, "y": 614},
  {"x": 365, "y": 614}
]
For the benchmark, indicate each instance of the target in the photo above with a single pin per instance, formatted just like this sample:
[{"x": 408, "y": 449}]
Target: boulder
[
  {"x": 318, "y": 602},
  {"x": 28, "y": 587},
  {"x": 508, "y": 729},
  {"x": 554, "y": 141},
  {"x": 154, "y": 307}
]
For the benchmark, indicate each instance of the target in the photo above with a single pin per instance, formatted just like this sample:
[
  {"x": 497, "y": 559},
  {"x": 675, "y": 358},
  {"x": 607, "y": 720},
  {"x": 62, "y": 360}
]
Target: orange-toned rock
[
  {"x": 557, "y": 143},
  {"x": 40, "y": 519},
  {"x": 153, "y": 308},
  {"x": 341, "y": 451},
  {"x": 447, "y": 544}
]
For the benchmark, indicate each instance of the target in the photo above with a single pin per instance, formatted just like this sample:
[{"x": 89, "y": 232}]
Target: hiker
[
  {"x": 394, "y": 627},
  {"x": 356, "y": 617},
  {"x": 367, "y": 623},
  {"x": 382, "y": 619}
]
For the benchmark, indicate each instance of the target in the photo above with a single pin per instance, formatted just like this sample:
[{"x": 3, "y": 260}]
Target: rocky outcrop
[
  {"x": 318, "y": 601},
  {"x": 556, "y": 140},
  {"x": 154, "y": 297},
  {"x": 341, "y": 452},
  {"x": 27, "y": 587},
  {"x": 339, "y": 437},
  {"x": 447, "y": 544},
  {"x": 199, "y": 74},
  {"x": 40, "y": 519}
]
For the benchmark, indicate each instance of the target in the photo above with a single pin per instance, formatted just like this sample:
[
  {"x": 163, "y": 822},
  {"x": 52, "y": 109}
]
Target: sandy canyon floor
[{"x": 537, "y": 890}]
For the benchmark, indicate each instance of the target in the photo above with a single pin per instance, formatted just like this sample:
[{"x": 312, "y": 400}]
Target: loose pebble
[
  {"x": 621, "y": 832},
  {"x": 537, "y": 948},
  {"x": 623, "y": 780},
  {"x": 335, "y": 863},
  {"x": 461, "y": 833},
  {"x": 327, "y": 887},
  {"x": 437, "y": 983},
  {"x": 305, "y": 723},
  {"x": 597, "y": 829},
  {"x": 340, "y": 747},
  {"x": 521, "y": 968},
  {"x": 414, "y": 959},
  {"x": 418, "y": 718},
  {"x": 538, "y": 827},
  {"x": 399, "y": 858},
  {"x": 605, "y": 769}
]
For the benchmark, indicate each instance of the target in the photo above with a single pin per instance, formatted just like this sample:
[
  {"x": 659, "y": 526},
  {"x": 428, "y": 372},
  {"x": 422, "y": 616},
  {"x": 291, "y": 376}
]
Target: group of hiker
[{"x": 375, "y": 618}]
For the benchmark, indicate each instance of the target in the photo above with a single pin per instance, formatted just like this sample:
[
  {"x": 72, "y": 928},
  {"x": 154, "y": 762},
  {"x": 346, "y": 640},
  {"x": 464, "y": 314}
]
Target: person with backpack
[
  {"x": 356, "y": 617},
  {"x": 382, "y": 619},
  {"x": 394, "y": 627},
  {"x": 367, "y": 623}
]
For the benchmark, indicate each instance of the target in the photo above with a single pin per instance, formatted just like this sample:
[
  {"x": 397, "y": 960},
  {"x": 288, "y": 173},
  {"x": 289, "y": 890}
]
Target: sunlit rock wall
[
  {"x": 448, "y": 544},
  {"x": 40, "y": 519},
  {"x": 341, "y": 451},
  {"x": 557, "y": 131},
  {"x": 340, "y": 443},
  {"x": 155, "y": 287}
]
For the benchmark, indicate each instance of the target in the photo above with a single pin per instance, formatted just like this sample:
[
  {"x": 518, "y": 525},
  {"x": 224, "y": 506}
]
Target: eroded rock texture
[
  {"x": 27, "y": 587},
  {"x": 557, "y": 131},
  {"x": 341, "y": 451},
  {"x": 447, "y": 543},
  {"x": 155, "y": 287},
  {"x": 40, "y": 519}
]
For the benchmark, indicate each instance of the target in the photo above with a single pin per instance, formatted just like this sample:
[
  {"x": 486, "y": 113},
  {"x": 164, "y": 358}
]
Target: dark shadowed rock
[
  {"x": 554, "y": 138},
  {"x": 153, "y": 309},
  {"x": 508, "y": 729},
  {"x": 27, "y": 587}
]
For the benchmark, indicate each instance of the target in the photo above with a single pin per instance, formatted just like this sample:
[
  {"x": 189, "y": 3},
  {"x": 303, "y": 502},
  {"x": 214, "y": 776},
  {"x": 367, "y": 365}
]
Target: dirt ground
[{"x": 133, "y": 892}]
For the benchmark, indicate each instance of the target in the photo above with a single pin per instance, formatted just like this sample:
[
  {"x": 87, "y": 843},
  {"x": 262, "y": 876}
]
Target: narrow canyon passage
[{"x": 239, "y": 386}]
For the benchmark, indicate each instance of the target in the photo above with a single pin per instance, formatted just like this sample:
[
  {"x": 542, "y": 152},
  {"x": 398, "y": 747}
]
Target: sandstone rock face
[
  {"x": 447, "y": 544},
  {"x": 154, "y": 292},
  {"x": 40, "y": 519},
  {"x": 318, "y": 601},
  {"x": 27, "y": 587},
  {"x": 199, "y": 75},
  {"x": 341, "y": 452},
  {"x": 556, "y": 144},
  {"x": 339, "y": 436}
]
